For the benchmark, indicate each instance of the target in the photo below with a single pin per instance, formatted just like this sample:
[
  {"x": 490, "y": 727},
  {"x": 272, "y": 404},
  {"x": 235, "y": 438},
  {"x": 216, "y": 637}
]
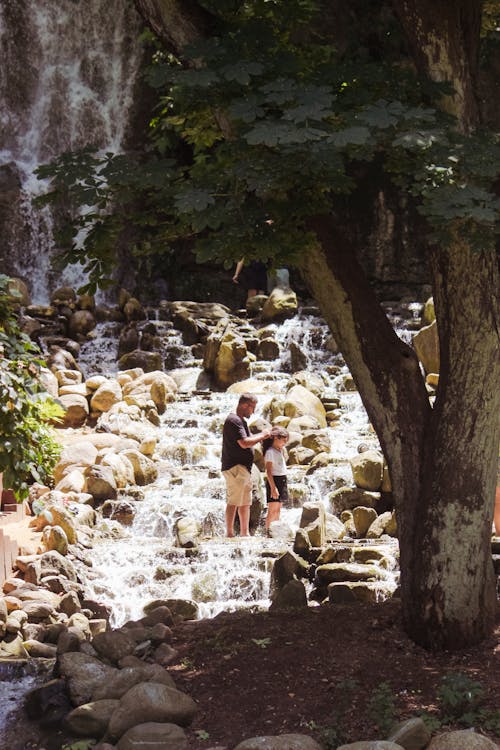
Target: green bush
[{"x": 28, "y": 450}]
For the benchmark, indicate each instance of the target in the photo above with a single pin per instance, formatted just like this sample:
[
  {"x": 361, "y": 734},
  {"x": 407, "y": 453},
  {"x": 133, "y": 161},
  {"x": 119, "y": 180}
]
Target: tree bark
[
  {"x": 444, "y": 39},
  {"x": 176, "y": 22}
]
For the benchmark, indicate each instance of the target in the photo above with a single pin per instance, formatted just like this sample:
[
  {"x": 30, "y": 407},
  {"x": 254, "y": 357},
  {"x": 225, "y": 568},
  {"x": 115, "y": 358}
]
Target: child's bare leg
[{"x": 273, "y": 513}]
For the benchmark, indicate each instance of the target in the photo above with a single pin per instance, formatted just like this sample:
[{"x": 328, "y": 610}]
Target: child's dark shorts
[{"x": 281, "y": 486}]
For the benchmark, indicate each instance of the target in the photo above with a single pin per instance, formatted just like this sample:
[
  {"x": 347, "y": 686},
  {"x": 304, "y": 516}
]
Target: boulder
[
  {"x": 281, "y": 304},
  {"x": 412, "y": 734},
  {"x": 151, "y": 702},
  {"x": 299, "y": 401},
  {"x": 91, "y": 719},
  {"x": 83, "y": 674},
  {"x": 76, "y": 410},
  {"x": 368, "y": 470},
  {"x": 279, "y": 742},
  {"x": 153, "y": 736},
  {"x": 464, "y": 739},
  {"x": 107, "y": 394},
  {"x": 426, "y": 344}
]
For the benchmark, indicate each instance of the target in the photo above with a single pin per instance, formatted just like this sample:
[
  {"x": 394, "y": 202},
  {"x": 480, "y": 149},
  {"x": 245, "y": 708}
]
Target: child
[{"x": 276, "y": 484}]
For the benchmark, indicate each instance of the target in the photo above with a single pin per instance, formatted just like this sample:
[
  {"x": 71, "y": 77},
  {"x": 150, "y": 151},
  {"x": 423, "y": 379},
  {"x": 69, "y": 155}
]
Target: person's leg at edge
[
  {"x": 244, "y": 516},
  {"x": 230, "y": 516}
]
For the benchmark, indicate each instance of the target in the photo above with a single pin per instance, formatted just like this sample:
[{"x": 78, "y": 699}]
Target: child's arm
[{"x": 269, "y": 473}]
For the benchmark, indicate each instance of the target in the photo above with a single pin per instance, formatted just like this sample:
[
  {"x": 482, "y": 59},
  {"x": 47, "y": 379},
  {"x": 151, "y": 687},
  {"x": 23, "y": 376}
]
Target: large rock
[
  {"x": 147, "y": 361},
  {"x": 232, "y": 362},
  {"x": 105, "y": 396},
  {"x": 464, "y": 739},
  {"x": 120, "y": 683},
  {"x": 426, "y": 345},
  {"x": 368, "y": 470},
  {"x": 281, "y": 304},
  {"x": 371, "y": 745},
  {"x": 279, "y": 742},
  {"x": 412, "y": 734},
  {"x": 76, "y": 410},
  {"x": 151, "y": 702},
  {"x": 299, "y": 402},
  {"x": 114, "y": 645},
  {"x": 145, "y": 470},
  {"x": 152, "y": 736},
  {"x": 347, "y": 498},
  {"x": 81, "y": 453},
  {"x": 83, "y": 674},
  {"x": 91, "y": 719},
  {"x": 81, "y": 323}
]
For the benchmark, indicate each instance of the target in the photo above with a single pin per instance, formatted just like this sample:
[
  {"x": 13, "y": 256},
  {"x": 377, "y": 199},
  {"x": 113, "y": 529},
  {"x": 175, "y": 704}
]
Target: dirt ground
[{"x": 339, "y": 673}]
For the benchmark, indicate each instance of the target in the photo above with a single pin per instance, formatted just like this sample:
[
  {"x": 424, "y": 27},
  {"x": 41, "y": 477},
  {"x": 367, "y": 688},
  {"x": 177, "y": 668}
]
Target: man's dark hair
[{"x": 247, "y": 398}]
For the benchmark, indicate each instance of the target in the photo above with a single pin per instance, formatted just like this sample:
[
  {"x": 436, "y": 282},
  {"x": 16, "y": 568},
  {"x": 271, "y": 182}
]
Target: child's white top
[{"x": 277, "y": 459}]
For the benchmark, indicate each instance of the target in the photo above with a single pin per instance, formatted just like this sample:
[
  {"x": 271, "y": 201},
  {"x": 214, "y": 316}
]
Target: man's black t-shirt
[{"x": 235, "y": 428}]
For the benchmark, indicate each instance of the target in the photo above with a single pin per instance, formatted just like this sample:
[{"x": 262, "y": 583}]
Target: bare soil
[{"x": 322, "y": 671}]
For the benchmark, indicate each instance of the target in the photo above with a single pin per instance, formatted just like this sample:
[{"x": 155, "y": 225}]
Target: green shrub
[{"x": 28, "y": 450}]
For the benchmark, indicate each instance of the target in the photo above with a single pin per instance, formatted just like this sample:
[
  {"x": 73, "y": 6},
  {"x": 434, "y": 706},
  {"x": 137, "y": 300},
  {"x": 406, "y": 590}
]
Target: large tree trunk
[{"x": 449, "y": 597}]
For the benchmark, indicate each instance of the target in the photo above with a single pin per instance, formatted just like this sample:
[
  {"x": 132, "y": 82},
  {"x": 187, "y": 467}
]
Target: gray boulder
[
  {"x": 280, "y": 742},
  {"x": 91, "y": 719},
  {"x": 152, "y": 736},
  {"x": 151, "y": 702}
]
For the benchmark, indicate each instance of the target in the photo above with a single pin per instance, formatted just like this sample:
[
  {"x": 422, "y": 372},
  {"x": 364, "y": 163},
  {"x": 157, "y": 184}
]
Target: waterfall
[{"x": 67, "y": 80}]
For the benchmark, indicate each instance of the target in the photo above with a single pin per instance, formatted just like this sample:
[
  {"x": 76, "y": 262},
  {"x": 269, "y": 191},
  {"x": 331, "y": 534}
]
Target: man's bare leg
[{"x": 230, "y": 516}]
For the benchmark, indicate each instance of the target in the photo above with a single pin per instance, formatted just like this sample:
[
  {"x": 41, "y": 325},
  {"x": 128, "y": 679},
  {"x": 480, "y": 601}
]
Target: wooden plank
[{"x": 3, "y": 569}]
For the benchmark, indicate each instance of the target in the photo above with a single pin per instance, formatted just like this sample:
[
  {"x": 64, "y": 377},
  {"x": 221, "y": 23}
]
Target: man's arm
[{"x": 249, "y": 442}]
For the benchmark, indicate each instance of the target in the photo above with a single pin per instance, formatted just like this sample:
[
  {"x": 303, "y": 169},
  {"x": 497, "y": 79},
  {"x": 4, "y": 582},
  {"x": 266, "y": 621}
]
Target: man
[{"x": 237, "y": 460}]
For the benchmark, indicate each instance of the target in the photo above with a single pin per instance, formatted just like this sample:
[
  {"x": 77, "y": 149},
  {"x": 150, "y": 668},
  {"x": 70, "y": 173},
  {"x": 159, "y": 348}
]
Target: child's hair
[{"x": 276, "y": 432}]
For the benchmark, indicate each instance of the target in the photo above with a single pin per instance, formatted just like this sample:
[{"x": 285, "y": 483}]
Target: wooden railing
[{"x": 9, "y": 550}]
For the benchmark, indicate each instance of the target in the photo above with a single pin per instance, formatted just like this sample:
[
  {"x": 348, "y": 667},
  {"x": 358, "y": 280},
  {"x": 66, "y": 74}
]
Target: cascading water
[
  {"x": 66, "y": 81},
  {"x": 135, "y": 564}
]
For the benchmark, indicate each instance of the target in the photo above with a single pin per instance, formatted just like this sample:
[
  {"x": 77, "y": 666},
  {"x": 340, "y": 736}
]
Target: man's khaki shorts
[{"x": 238, "y": 485}]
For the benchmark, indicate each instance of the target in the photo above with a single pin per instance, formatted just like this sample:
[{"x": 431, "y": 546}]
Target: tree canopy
[{"x": 273, "y": 123}]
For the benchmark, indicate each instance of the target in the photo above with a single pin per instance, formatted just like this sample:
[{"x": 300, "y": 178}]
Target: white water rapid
[
  {"x": 67, "y": 80},
  {"x": 131, "y": 565}
]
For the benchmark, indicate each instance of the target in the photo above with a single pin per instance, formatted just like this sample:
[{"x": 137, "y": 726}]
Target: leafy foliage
[
  {"x": 461, "y": 701},
  {"x": 267, "y": 129},
  {"x": 28, "y": 451}
]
